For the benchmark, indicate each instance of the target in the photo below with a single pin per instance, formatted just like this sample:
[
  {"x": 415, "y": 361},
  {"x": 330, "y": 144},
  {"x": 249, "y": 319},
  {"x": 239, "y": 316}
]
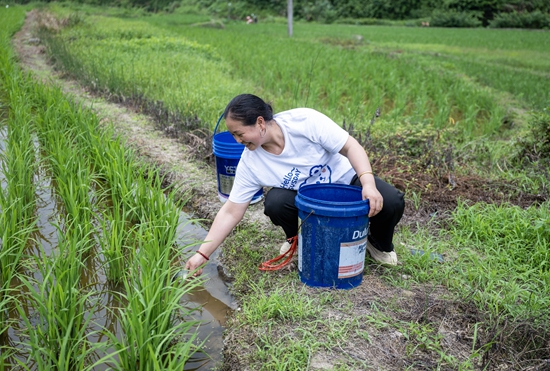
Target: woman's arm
[
  {"x": 360, "y": 161},
  {"x": 226, "y": 219}
]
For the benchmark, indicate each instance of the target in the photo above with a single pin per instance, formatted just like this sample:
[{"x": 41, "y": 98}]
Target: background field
[{"x": 462, "y": 85}]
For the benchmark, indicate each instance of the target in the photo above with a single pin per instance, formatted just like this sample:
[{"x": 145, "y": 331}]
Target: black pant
[{"x": 279, "y": 206}]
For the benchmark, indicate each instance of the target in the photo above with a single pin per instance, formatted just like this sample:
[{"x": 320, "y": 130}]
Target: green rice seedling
[
  {"x": 342, "y": 98},
  {"x": 58, "y": 340},
  {"x": 154, "y": 66},
  {"x": 17, "y": 198},
  {"x": 114, "y": 241},
  {"x": 74, "y": 188},
  {"x": 377, "y": 71},
  {"x": 6, "y": 300},
  {"x": 157, "y": 209},
  {"x": 14, "y": 237},
  {"x": 135, "y": 78},
  {"x": 19, "y": 161},
  {"x": 118, "y": 167},
  {"x": 15, "y": 231},
  {"x": 152, "y": 337},
  {"x": 71, "y": 170}
]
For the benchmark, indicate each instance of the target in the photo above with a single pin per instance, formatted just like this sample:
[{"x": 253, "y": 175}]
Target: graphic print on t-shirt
[
  {"x": 290, "y": 179},
  {"x": 318, "y": 174}
]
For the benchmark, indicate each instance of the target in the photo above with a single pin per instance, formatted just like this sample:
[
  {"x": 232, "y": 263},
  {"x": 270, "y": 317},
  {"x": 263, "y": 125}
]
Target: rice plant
[
  {"x": 154, "y": 336},
  {"x": 115, "y": 242},
  {"x": 58, "y": 339},
  {"x": 17, "y": 195},
  {"x": 153, "y": 63},
  {"x": 58, "y": 318}
]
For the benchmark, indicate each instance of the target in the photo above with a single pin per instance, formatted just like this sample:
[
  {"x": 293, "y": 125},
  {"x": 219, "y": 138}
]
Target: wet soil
[{"x": 176, "y": 156}]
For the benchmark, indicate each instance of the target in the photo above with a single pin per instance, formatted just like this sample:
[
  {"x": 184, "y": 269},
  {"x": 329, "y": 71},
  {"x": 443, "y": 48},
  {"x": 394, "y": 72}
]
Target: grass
[
  {"x": 494, "y": 254},
  {"x": 510, "y": 245},
  {"x": 153, "y": 339},
  {"x": 115, "y": 242}
]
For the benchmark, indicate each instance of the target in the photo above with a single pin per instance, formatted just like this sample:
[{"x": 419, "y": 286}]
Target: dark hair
[{"x": 246, "y": 108}]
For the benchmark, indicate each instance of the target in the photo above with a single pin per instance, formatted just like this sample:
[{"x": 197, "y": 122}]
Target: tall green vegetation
[
  {"x": 69, "y": 166},
  {"x": 59, "y": 340},
  {"x": 428, "y": 84},
  {"x": 156, "y": 65},
  {"x": 453, "y": 86},
  {"x": 56, "y": 309},
  {"x": 496, "y": 255},
  {"x": 18, "y": 165},
  {"x": 17, "y": 196},
  {"x": 448, "y": 13},
  {"x": 155, "y": 337}
]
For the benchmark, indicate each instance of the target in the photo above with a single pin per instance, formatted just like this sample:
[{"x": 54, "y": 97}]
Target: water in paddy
[{"x": 213, "y": 300}]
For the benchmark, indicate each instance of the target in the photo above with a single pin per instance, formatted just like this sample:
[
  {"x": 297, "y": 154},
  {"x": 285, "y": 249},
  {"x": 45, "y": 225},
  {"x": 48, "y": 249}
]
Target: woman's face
[{"x": 249, "y": 135}]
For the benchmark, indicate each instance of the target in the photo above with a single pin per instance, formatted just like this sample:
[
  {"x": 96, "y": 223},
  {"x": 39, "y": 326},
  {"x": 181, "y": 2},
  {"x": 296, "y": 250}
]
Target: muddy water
[{"x": 213, "y": 299}]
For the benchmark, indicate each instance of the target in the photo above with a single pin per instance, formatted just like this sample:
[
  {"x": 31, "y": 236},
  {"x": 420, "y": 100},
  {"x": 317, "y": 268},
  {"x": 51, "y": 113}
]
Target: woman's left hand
[{"x": 376, "y": 202}]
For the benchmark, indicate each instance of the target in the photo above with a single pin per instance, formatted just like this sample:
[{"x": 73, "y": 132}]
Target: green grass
[
  {"x": 59, "y": 339},
  {"x": 18, "y": 163},
  {"x": 495, "y": 255}
]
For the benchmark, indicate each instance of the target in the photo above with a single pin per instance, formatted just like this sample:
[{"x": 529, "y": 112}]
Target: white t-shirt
[{"x": 310, "y": 156}]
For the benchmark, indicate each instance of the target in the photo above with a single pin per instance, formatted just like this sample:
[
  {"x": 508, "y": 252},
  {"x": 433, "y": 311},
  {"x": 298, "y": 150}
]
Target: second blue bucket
[
  {"x": 333, "y": 235},
  {"x": 228, "y": 153}
]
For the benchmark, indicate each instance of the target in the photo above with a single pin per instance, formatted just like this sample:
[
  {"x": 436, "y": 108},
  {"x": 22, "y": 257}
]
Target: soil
[{"x": 194, "y": 175}]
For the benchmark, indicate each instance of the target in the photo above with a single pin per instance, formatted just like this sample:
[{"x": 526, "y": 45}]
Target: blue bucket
[
  {"x": 333, "y": 235},
  {"x": 228, "y": 153}
]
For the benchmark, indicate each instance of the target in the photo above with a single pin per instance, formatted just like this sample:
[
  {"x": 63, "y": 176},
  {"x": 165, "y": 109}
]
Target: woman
[{"x": 286, "y": 151}]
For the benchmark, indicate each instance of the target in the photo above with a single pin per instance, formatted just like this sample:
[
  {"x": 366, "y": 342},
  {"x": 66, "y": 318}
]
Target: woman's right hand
[
  {"x": 194, "y": 263},
  {"x": 226, "y": 219}
]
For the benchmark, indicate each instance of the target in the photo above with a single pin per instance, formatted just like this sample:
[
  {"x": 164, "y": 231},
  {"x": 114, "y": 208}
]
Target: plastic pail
[
  {"x": 333, "y": 235},
  {"x": 228, "y": 153}
]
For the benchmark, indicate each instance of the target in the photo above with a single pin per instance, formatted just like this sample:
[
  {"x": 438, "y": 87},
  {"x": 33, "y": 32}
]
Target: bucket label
[
  {"x": 352, "y": 258},
  {"x": 226, "y": 183}
]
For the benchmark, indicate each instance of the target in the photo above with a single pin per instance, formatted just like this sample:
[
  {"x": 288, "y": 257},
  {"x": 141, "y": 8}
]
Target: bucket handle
[{"x": 218, "y": 124}]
